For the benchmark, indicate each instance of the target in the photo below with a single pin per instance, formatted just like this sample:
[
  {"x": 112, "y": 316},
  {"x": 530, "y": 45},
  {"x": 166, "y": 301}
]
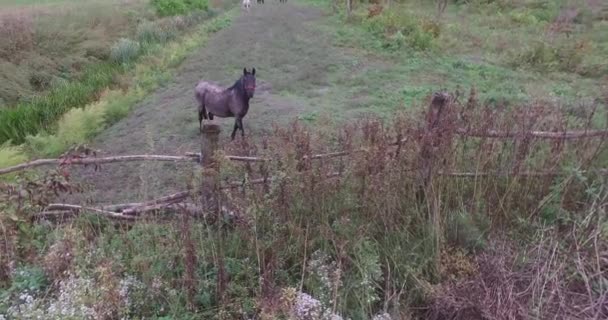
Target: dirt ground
[{"x": 292, "y": 58}]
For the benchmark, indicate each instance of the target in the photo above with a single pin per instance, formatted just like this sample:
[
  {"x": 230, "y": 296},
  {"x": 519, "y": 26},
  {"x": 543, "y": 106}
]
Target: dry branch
[
  {"x": 155, "y": 204},
  {"x": 195, "y": 157},
  {"x": 91, "y": 161},
  {"x": 534, "y": 134},
  {"x": 77, "y": 208}
]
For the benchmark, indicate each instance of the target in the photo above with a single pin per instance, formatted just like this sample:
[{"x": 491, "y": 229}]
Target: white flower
[
  {"x": 308, "y": 308},
  {"x": 382, "y": 316}
]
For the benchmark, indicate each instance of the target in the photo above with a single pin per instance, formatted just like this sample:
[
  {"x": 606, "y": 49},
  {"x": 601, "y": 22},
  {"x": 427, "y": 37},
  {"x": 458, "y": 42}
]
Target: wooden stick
[
  {"x": 195, "y": 157},
  {"x": 88, "y": 161},
  {"x": 77, "y": 208},
  {"x": 172, "y": 198},
  {"x": 54, "y": 215},
  {"x": 534, "y": 134},
  {"x": 498, "y": 174}
]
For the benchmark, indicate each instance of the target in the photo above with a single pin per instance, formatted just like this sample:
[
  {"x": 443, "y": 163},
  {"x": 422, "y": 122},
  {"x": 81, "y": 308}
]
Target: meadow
[
  {"x": 63, "y": 55},
  {"x": 404, "y": 160}
]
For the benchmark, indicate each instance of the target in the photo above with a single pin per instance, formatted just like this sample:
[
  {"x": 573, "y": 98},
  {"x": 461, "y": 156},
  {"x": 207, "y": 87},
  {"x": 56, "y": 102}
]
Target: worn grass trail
[{"x": 294, "y": 63}]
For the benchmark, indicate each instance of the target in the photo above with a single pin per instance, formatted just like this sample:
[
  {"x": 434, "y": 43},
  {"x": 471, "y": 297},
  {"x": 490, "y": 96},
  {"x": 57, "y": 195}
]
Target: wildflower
[{"x": 382, "y": 316}]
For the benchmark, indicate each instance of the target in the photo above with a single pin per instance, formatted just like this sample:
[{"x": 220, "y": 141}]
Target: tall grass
[
  {"x": 78, "y": 125},
  {"x": 364, "y": 243},
  {"x": 41, "y": 113},
  {"x": 28, "y": 118}
]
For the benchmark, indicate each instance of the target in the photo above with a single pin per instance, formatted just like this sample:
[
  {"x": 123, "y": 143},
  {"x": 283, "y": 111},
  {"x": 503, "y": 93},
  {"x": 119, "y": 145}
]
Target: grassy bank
[
  {"x": 51, "y": 67},
  {"x": 46, "y": 44},
  {"x": 78, "y": 125}
]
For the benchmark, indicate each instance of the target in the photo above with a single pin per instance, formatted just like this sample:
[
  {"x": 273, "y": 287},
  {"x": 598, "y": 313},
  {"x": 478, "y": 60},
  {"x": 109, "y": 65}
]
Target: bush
[
  {"x": 74, "y": 128},
  {"x": 398, "y": 28},
  {"x": 463, "y": 232},
  {"x": 178, "y": 7},
  {"x": 124, "y": 51},
  {"x": 546, "y": 57},
  {"x": 149, "y": 32},
  {"x": 11, "y": 155}
]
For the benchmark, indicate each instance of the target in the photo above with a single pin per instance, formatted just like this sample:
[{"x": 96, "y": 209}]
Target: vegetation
[
  {"x": 360, "y": 246},
  {"x": 501, "y": 228},
  {"x": 178, "y": 7},
  {"x": 511, "y": 51},
  {"x": 83, "y": 82},
  {"x": 78, "y": 125}
]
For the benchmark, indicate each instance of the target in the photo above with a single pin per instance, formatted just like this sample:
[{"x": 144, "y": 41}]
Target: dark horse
[
  {"x": 231, "y": 102},
  {"x": 261, "y": 1},
  {"x": 282, "y": 0}
]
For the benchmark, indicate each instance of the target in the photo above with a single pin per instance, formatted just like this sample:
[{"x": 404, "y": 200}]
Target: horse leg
[
  {"x": 200, "y": 121},
  {"x": 201, "y": 116},
  {"x": 240, "y": 122},
  {"x": 236, "y": 126}
]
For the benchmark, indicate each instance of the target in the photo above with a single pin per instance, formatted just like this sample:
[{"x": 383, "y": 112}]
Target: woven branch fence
[{"x": 430, "y": 139}]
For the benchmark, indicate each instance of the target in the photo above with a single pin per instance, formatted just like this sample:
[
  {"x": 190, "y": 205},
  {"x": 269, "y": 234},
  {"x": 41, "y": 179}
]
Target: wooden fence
[{"x": 430, "y": 139}]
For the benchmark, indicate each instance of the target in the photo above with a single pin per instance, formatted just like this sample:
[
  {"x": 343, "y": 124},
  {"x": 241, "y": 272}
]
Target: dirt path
[{"x": 292, "y": 58}]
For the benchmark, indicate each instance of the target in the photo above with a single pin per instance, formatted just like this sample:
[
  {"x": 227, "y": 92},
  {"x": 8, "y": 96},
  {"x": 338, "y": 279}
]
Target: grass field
[{"x": 505, "y": 228}]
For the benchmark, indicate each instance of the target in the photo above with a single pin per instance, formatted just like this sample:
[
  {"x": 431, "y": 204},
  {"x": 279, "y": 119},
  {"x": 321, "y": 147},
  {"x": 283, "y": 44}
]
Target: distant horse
[
  {"x": 247, "y": 4},
  {"x": 225, "y": 103},
  {"x": 282, "y": 0},
  {"x": 261, "y": 1}
]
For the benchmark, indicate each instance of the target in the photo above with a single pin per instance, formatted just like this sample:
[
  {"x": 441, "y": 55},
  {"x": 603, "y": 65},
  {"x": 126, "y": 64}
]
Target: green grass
[
  {"x": 79, "y": 125},
  {"x": 45, "y": 46},
  {"x": 41, "y": 114},
  {"x": 37, "y": 2},
  {"x": 504, "y": 56}
]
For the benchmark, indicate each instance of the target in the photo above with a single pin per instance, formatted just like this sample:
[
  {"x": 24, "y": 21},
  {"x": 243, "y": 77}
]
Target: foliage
[
  {"x": 41, "y": 114},
  {"x": 11, "y": 155},
  {"x": 546, "y": 57},
  {"x": 400, "y": 28},
  {"x": 74, "y": 128},
  {"x": 376, "y": 247},
  {"x": 125, "y": 51},
  {"x": 29, "y": 118},
  {"x": 178, "y": 7},
  {"x": 46, "y": 45}
]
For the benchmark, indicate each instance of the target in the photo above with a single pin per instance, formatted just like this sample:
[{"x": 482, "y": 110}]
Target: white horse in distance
[{"x": 247, "y": 4}]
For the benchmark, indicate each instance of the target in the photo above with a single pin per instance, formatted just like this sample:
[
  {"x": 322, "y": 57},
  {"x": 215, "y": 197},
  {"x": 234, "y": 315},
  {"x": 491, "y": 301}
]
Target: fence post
[
  {"x": 210, "y": 196},
  {"x": 431, "y": 138},
  {"x": 210, "y": 134}
]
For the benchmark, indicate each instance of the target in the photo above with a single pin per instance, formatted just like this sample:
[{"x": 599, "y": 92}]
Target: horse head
[{"x": 248, "y": 81}]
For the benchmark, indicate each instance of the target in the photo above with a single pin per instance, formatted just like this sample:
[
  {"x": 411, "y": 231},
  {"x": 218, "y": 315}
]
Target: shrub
[
  {"x": 546, "y": 57},
  {"x": 118, "y": 106},
  {"x": 11, "y": 155},
  {"x": 75, "y": 127},
  {"x": 523, "y": 17},
  {"x": 17, "y": 34},
  {"x": 178, "y": 7},
  {"x": 149, "y": 32},
  {"x": 197, "y": 4},
  {"x": 398, "y": 28},
  {"x": 463, "y": 232},
  {"x": 125, "y": 51}
]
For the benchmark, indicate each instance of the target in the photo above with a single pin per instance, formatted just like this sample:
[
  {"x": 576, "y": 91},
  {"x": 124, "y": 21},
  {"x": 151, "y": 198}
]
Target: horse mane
[{"x": 238, "y": 86}]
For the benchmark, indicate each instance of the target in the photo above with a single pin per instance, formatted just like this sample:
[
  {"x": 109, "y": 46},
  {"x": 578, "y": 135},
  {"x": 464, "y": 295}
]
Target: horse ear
[
  {"x": 253, "y": 72},
  {"x": 245, "y": 71}
]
